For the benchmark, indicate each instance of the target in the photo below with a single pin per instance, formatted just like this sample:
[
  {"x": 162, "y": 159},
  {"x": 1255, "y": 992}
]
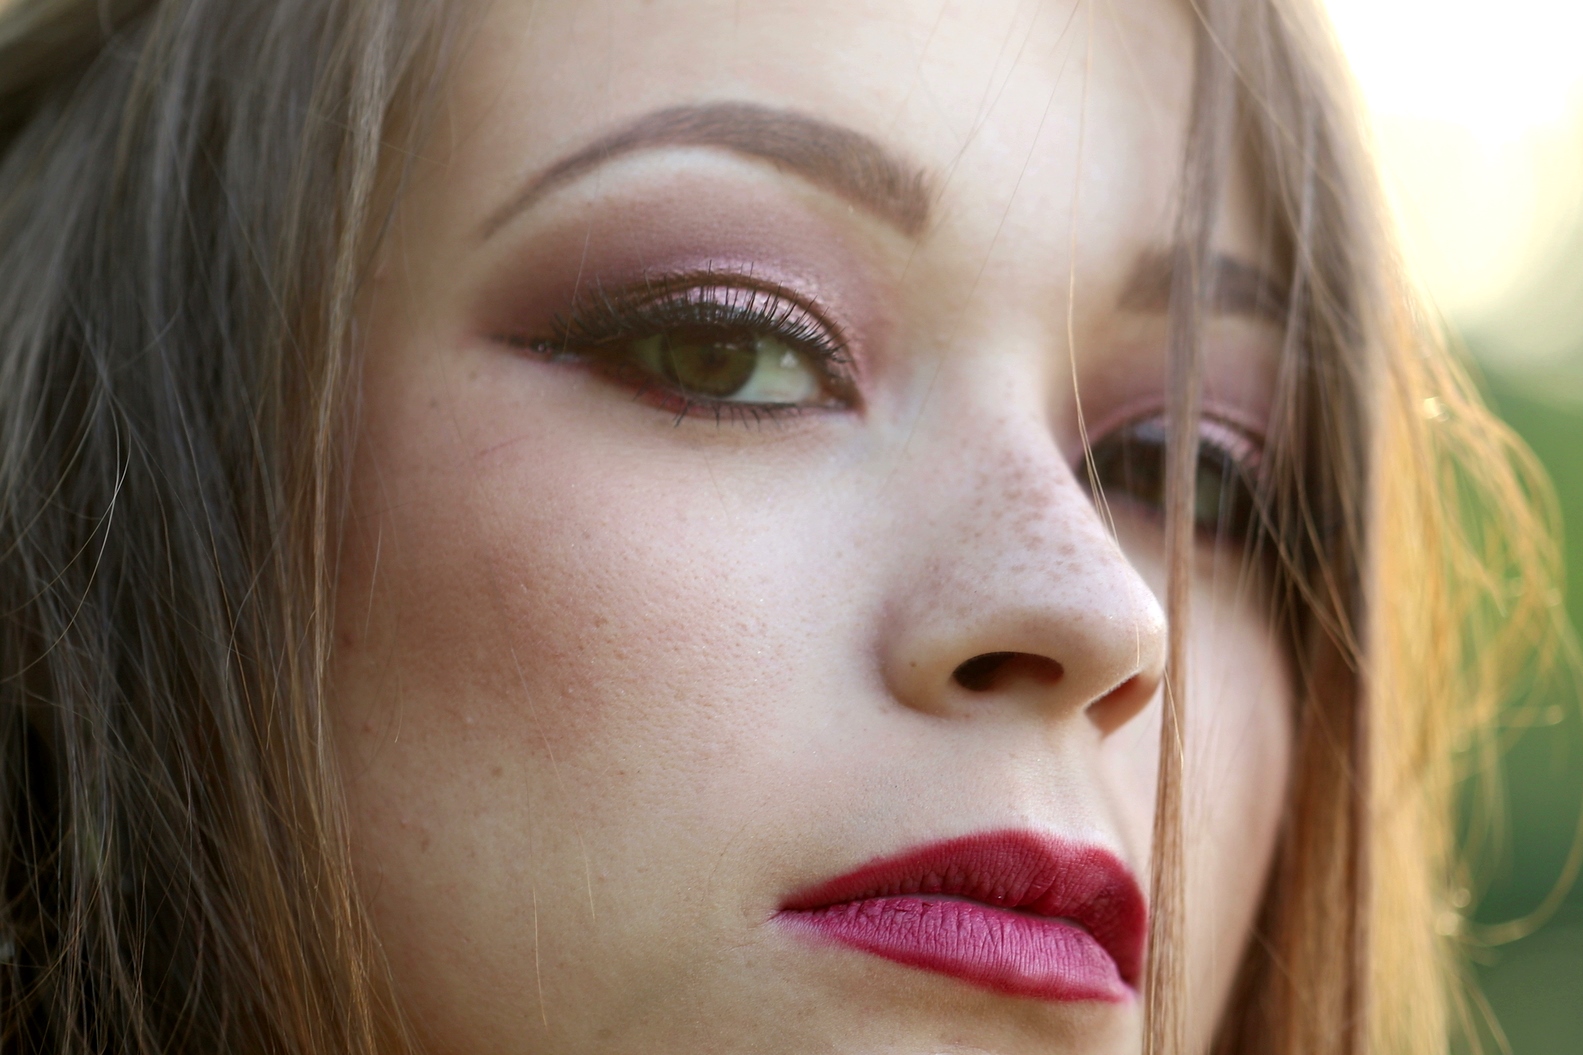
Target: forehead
[{"x": 1012, "y": 109}]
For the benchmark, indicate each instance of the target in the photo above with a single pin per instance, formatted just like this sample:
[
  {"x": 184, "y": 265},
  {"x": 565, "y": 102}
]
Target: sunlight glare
[{"x": 1476, "y": 111}]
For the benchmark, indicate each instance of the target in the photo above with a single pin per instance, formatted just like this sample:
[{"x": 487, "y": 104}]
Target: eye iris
[
  {"x": 1132, "y": 463},
  {"x": 709, "y": 364},
  {"x": 1222, "y": 498}
]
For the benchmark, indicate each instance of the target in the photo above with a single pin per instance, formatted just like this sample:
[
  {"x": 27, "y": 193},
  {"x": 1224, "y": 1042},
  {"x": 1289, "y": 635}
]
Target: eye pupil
[{"x": 708, "y": 364}]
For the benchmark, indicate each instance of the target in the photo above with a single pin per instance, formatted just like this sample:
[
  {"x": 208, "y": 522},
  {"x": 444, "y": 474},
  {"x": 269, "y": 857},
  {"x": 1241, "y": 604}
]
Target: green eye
[
  {"x": 727, "y": 365},
  {"x": 696, "y": 343},
  {"x": 1130, "y": 463}
]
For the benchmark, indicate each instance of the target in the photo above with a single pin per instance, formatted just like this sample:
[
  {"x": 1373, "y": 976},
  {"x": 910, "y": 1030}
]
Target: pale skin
[{"x": 613, "y": 679}]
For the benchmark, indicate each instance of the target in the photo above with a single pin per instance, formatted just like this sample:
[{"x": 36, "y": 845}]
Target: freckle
[
  {"x": 434, "y": 401},
  {"x": 495, "y": 771},
  {"x": 424, "y": 845}
]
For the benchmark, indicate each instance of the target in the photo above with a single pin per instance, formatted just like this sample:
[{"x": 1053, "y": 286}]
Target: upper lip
[{"x": 1016, "y": 870}]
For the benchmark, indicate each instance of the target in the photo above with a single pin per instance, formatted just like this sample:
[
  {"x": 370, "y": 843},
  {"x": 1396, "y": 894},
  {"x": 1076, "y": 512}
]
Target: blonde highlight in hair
[{"x": 1416, "y": 541}]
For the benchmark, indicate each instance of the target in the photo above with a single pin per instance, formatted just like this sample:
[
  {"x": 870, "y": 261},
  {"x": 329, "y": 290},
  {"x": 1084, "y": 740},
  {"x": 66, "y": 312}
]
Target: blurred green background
[
  {"x": 1477, "y": 115},
  {"x": 1535, "y": 985},
  {"x": 1527, "y": 344}
]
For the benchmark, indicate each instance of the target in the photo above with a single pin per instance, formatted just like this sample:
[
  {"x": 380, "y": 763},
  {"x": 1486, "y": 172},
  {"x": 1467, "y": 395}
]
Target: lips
[{"x": 1016, "y": 912}]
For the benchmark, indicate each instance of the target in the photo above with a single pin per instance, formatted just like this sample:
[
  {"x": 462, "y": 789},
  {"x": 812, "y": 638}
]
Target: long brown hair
[
  {"x": 190, "y": 194},
  {"x": 184, "y": 197}
]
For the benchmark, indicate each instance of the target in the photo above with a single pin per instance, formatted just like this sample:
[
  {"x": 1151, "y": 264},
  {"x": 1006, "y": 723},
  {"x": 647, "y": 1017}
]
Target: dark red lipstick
[{"x": 1015, "y": 911}]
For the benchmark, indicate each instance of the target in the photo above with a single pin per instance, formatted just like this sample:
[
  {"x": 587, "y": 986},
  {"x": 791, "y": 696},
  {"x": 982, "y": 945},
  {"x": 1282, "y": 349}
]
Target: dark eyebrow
[
  {"x": 844, "y": 161},
  {"x": 1235, "y": 287}
]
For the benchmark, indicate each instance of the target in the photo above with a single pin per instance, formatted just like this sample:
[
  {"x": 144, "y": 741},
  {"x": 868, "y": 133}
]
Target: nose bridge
[{"x": 1009, "y": 557}]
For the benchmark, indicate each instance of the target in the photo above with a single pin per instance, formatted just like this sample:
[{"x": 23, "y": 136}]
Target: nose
[{"x": 1011, "y": 593}]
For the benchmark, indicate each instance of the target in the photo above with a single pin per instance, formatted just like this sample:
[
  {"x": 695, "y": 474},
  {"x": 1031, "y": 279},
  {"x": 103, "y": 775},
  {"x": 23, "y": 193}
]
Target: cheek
[
  {"x": 538, "y": 586},
  {"x": 1239, "y": 732},
  {"x": 1240, "y": 755},
  {"x": 551, "y": 656},
  {"x": 618, "y": 627}
]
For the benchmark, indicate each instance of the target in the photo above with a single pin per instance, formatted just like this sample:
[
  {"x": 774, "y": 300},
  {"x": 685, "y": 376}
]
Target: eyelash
[
  {"x": 598, "y": 328},
  {"x": 1225, "y": 450}
]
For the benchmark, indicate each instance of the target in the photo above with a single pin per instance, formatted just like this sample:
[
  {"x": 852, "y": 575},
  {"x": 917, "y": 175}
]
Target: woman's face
[{"x": 731, "y": 657}]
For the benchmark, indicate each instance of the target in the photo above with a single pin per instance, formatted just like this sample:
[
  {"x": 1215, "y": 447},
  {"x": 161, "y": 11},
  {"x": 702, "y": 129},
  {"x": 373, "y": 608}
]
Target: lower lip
[{"x": 1016, "y": 953}]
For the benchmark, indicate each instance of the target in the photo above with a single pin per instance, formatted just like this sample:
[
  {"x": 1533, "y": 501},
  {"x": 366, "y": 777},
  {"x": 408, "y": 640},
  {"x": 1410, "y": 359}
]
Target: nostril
[
  {"x": 980, "y": 673},
  {"x": 993, "y": 670},
  {"x": 1118, "y": 706}
]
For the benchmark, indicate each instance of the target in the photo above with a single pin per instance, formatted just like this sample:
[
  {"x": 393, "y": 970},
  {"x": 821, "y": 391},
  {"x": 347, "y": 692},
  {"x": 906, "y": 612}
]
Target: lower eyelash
[{"x": 722, "y": 410}]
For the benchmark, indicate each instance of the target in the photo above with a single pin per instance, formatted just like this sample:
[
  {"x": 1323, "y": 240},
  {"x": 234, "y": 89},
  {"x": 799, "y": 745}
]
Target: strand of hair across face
[{"x": 1165, "y": 1001}]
